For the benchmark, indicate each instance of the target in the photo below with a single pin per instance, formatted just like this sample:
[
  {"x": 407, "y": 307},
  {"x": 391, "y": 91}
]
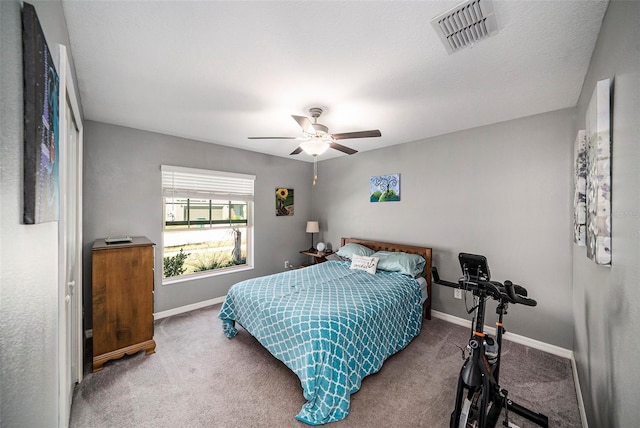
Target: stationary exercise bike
[{"x": 479, "y": 397}]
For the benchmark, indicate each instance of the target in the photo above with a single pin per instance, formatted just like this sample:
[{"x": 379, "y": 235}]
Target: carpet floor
[{"x": 199, "y": 378}]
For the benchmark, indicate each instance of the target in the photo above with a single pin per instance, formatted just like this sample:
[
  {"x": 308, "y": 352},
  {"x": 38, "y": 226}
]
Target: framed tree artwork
[{"x": 384, "y": 188}]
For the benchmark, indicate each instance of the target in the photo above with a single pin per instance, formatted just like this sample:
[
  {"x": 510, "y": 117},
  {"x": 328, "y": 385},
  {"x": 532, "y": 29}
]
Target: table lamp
[{"x": 312, "y": 227}]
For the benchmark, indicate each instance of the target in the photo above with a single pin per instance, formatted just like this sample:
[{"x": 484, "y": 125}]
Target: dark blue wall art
[{"x": 41, "y": 88}]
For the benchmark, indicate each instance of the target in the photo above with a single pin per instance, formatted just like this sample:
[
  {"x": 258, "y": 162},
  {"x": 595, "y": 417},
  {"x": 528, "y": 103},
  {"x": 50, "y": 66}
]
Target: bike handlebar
[
  {"x": 515, "y": 298},
  {"x": 510, "y": 292}
]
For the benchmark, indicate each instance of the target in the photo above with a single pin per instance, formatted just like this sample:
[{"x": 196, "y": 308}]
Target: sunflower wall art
[{"x": 284, "y": 201}]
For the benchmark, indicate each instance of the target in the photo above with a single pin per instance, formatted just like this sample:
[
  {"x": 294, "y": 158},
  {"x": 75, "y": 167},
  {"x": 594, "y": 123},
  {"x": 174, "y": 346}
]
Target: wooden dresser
[{"x": 122, "y": 288}]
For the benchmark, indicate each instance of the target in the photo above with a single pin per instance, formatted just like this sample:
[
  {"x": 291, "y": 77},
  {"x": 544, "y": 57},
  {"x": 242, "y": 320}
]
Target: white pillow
[{"x": 367, "y": 264}]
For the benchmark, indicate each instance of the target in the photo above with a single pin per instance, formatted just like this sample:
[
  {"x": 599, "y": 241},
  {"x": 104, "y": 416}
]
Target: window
[{"x": 208, "y": 224}]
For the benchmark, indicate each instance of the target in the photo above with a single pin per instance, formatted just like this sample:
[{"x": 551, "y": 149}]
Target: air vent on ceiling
[{"x": 465, "y": 24}]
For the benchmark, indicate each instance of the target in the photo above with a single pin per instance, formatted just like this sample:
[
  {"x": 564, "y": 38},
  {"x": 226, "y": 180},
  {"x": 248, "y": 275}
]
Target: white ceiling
[{"x": 221, "y": 71}]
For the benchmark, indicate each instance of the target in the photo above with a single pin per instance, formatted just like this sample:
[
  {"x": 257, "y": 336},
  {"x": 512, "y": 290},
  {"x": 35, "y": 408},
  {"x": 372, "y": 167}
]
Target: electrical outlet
[
  {"x": 286, "y": 264},
  {"x": 457, "y": 293}
]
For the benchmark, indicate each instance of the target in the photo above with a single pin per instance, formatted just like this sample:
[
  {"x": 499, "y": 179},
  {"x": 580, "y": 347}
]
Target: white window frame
[{"x": 194, "y": 183}]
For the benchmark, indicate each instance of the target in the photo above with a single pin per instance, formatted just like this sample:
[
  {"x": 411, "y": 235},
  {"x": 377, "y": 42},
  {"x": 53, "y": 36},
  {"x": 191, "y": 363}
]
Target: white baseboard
[
  {"x": 576, "y": 381},
  {"x": 513, "y": 337},
  {"x": 88, "y": 334},
  {"x": 188, "y": 308},
  {"x": 516, "y": 338}
]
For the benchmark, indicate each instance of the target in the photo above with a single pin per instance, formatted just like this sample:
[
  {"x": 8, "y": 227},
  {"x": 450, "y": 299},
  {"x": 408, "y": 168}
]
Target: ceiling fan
[{"x": 317, "y": 140}]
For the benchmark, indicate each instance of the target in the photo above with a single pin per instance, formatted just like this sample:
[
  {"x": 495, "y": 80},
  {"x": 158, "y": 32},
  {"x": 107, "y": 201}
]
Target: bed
[{"x": 330, "y": 324}]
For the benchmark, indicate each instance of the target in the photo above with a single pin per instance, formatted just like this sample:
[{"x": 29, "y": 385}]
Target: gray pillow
[{"x": 336, "y": 257}]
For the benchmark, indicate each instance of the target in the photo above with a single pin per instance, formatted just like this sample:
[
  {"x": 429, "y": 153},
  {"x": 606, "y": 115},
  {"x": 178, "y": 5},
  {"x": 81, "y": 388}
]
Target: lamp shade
[{"x": 313, "y": 227}]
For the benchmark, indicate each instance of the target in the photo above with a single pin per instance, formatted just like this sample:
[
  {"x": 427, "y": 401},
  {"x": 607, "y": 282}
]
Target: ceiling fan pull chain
[{"x": 315, "y": 169}]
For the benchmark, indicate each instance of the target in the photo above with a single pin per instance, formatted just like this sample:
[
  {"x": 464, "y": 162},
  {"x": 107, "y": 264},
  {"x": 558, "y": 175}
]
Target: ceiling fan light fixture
[{"x": 314, "y": 146}]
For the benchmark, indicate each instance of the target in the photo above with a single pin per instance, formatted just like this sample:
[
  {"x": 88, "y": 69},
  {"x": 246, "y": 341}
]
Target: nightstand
[{"x": 317, "y": 257}]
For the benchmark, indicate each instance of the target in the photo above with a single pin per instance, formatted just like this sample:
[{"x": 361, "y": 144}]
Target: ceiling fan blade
[
  {"x": 305, "y": 124},
  {"x": 272, "y": 138},
  {"x": 344, "y": 149},
  {"x": 296, "y": 151},
  {"x": 359, "y": 134}
]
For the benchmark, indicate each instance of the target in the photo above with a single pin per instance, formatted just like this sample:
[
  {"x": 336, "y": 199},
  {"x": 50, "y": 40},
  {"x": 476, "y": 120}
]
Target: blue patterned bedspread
[{"x": 331, "y": 325}]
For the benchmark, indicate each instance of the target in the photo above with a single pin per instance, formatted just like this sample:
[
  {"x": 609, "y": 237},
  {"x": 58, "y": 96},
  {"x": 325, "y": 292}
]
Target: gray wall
[
  {"x": 122, "y": 196},
  {"x": 28, "y": 253},
  {"x": 502, "y": 190},
  {"x": 607, "y": 299}
]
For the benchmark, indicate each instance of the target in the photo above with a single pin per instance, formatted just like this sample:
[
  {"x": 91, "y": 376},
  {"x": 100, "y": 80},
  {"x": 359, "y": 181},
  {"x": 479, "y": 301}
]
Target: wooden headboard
[{"x": 411, "y": 249}]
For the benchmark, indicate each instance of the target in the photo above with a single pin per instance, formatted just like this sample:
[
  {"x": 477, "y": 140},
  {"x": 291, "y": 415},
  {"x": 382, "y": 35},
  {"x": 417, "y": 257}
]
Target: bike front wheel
[{"x": 471, "y": 410}]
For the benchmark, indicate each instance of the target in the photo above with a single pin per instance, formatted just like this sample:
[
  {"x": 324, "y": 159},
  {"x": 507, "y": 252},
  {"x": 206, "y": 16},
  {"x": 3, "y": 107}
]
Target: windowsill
[{"x": 203, "y": 275}]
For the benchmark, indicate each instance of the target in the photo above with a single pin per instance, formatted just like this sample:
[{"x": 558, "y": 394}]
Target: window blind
[{"x": 192, "y": 183}]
